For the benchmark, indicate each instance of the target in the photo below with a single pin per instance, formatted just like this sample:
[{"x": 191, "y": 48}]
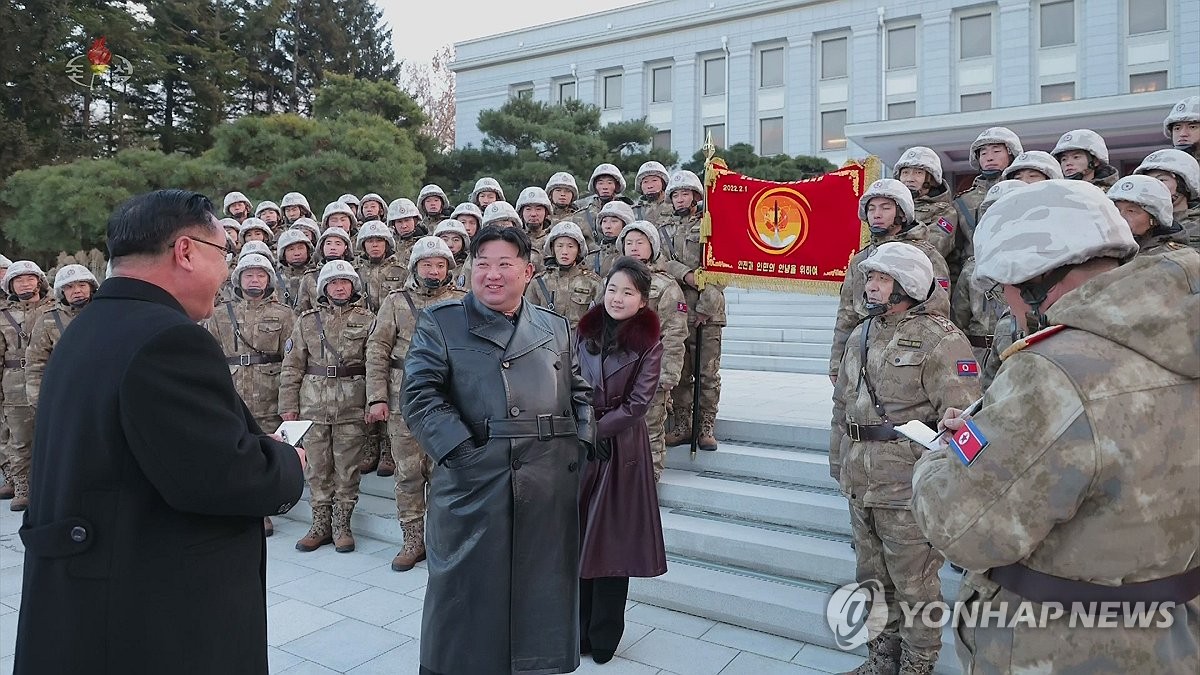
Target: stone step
[
  {"x": 735, "y": 296},
  {"x": 811, "y": 350},
  {"x": 776, "y": 364},
  {"x": 812, "y": 437},
  {"x": 784, "y": 321},
  {"x": 780, "y": 333},
  {"x": 765, "y": 501},
  {"x": 781, "y": 309},
  {"x": 786, "y": 464}
]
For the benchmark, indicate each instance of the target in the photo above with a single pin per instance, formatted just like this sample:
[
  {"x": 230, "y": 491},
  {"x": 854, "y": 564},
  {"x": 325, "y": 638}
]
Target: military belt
[
  {"x": 253, "y": 359},
  {"x": 15, "y": 364},
  {"x": 1041, "y": 587},
  {"x": 872, "y": 432},
  {"x": 543, "y": 428},
  {"x": 336, "y": 371},
  {"x": 981, "y": 341}
]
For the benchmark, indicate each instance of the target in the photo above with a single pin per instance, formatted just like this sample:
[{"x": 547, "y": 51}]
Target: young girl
[{"x": 620, "y": 531}]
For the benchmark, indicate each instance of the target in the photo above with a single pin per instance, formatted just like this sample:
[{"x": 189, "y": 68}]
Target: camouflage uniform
[
  {"x": 976, "y": 308},
  {"x": 919, "y": 364},
  {"x": 562, "y": 179},
  {"x": 936, "y": 211},
  {"x": 46, "y": 333},
  {"x": 1104, "y": 175},
  {"x": 428, "y": 220},
  {"x": 308, "y": 284},
  {"x": 569, "y": 291},
  {"x": 1186, "y": 199},
  {"x": 967, "y": 202},
  {"x": 288, "y": 277},
  {"x": 381, "y": 278},
  {"x": 17, "y": 323}
]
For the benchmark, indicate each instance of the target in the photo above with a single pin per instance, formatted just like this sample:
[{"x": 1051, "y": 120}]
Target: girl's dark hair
[{"x": 636, "y": 270}]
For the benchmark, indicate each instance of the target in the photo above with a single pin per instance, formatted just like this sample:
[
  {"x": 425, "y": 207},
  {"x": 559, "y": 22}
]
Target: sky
[{"x": 418, "y": 35}]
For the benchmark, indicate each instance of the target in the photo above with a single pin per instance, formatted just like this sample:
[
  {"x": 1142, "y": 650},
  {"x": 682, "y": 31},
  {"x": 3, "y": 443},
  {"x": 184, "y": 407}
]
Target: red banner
[{"x": 787, "y": 236}]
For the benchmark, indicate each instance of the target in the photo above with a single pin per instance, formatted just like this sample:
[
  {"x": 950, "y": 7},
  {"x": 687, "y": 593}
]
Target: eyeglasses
[{"x": 227, "y": 248}]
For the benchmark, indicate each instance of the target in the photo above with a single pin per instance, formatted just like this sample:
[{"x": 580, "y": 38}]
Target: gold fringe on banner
[{"x": 774, "y": 283}]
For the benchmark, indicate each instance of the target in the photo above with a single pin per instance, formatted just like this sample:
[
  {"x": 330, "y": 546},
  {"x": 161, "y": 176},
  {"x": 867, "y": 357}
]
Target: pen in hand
[{"x": 971, "y": 410}]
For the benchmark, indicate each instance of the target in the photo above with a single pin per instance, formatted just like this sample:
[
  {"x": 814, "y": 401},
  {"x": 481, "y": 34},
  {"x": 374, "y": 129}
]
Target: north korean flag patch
[
  {"x": 943, "y": 282},
  {"x": 681, "y": 307},
  {"x": 968, "y": 443},
  {"x": 946, "y": 225},
  {"x": 968, "y": 368}
]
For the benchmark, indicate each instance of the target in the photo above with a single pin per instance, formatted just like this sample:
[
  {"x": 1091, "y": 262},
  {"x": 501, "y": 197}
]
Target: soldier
[
  {"x": 26, "y": 288},
  {"x": 652, "y": 203},
  {"x": 351, "y": 201},
  {"x": 233, "y": 231},
  {"x": 429, "y": 282},
  {"x": 640, "y": 240},
  {"x": 372, "y": 207},
  {"x": 1071, "y": 495},
  {"x": 334, "y": 244},
  {"x": 565, "y": 287},
  {"x": 5, "y": 263},
  {"x": 295, "y": 206},
  {"x": 254, "y": 229},
  {"x": 533, "y": 206},
  {"x": 458, "y": 241},
  {"x": 1033, "y": 166},
  {"x": 1182, "y": 126},
  {"x": 270, "y": 213},
  {"x": 486, "y": 191},
  {"x": 563, "y": 192},
  {"x": 613, "y": 217},
  {"x": 295, "y": 254},
  {"x": 403, "y": 218},
  {"x": 607, "y": 184},
  {"x": 252, "y": 330},
  {"x": 74, "y": 286},
  {"x": 907, "y": 361},
  {"x": 434, "y": 207},
  {"x": 1180, "y": 172},
  {"x": 992, "y": 152},
  {"x": 470, "y": 216},
  {"x": 6, "y": 488},
  {"x": 920, "y": 169},
  {"x": 310, "y": 228},
  {"x": 339, "y": 214},
  {"x": 324, "y": 380},
  {"x": 706, "y": 311},
  {"x": 1145, "y": 204},
  {"x": 1084, "y": 156},
  {"x": 237, "y": 206}
]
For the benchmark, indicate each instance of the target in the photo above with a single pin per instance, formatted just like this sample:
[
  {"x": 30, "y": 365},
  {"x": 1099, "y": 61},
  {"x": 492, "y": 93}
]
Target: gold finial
[{"x": 709, "y": 147}]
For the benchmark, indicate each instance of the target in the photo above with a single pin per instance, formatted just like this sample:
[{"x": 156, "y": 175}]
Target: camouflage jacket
[
  {"x": 318, "y": 397},
  {"x": 388, "y": 342},
  {"x": 1162, "y": 243},
  {"x": 966, "y": 204},
  {"x": 560, "y": 213},
  {"x": 381, "y": 278},
  {"x": 250, "y": 331},
  {"x": 1089, "y": 472},
  {"x": 1106, "y": 177},
  {"x": 667, "y": 301},
  {"x": 290, "y": 280},
  {"x": 307, "y": 298},
  {"x": 462, "y": 274},
  {"x": 1190, "y": 220},
  {"x": 569, "y": 292},
  {"x": 681, "y": 253},
  {"x": 656, "y": 211},
  {"x": 975, "y": 305},
  {"x": 587, "y": 216},
  {"x": 46, "y": 332},
  {"x": 936, "y": 211},
  {"x": 919, "y": 364},
  {"x": 537, "y": 240},
  {"x": 852, "y": 306},
  {"x": 17, "y": 323},
  {"x": 600, "y": 259},
  {"x": 1007, "y": 332}
]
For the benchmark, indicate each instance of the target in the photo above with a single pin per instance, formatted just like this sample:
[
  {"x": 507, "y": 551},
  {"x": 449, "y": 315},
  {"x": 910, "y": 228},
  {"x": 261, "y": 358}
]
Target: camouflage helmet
[
  {"x": 920, "y": 157},
  {"x": 1045, "y": 226},
  {"x": 468, "y": 208},
  {"x": 337, "y": 269},
  {"x": 501, "y": 210},
  {"x": 402, "y": 208},
  {"x": 485, "y": 184},
  {"x": 336, "y": 207},
  {"x": 233, "y": 198},
  {"x": 69, "y": 274},
  {"x": 429, "y": 246},
  {"x": 255, "y": 224},
  {"x": 255, "y": 261},
  {"x": 1082, "y": 139},
  {"x": 645, "y": 227},
  {"x": 289, "y": 237},
  {"x": 564, "y": 228},
  {"x": 1178, "y": 162},
  {"x": 1187, "y": 110},
  {"x": 685, "y": 180},
  {"x": 267, "y": 206},
  {"x": 230, "y": 224},
  {"x": 21, "y": 268},
  {"x": 893, "y": 190},
  {"x": 609, "y": 170},
  {"x": 533, "y": 196},
  {"x": 906, "y": 264},
  {"x": 349, "y": 200},
  {"x": 372, "y": 197},
  {"x": 562, "y": 179},
  {"x": 453, "y": 226},
  {"x": 652, "y": 168},
  {"x": 995, "y": 136},
  {"x": 431, "y": 191},
  {"x": 376, "y": 229},
  {"x": 307, "y": 224},
  {"x": 1038, "y": 160},
  {"x": 337, "y": 233},
  {"x": 617, "y": 209},
  {"x": 4, "y": 262},
  {"x": 296, "y": 199},
  {"x": 997, "y": 191},
  {"x": 257, "y": 248},
  {"x": 1148, "y": 193}
]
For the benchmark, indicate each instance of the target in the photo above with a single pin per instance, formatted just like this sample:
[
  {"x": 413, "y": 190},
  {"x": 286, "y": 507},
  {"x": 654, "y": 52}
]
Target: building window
[
  {"x": 902, "y": 110},
  {"x": 1057, "y": 23},
  {"x": 714, "y": 76},
  {"x": 661, "y": 140},
  {"x": 1147, "y": 16},
  {"x": 1052, "y": 93},
  {"x": 660, "y": 85},
  {"x": 524, "y": 91},
  {"x": 833, "y": 130},
  {"x": 612, "y": 92},
  {"x": 566, "y": 91},
  {"x": 770, "y": 136},
  {"x": 975, "y": 36},
  {"x": 1143, "y": 82},
  {"x": 973, "y": 102},
  {"x": 771, "y": 67},
  {"x": 833, "y": 58},
  {"x": 902, "y": 48},
  {"x": 718, "y": 134}
]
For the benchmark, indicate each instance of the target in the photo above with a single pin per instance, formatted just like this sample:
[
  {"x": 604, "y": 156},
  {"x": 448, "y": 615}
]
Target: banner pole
[{"x": 710, "y": 149}]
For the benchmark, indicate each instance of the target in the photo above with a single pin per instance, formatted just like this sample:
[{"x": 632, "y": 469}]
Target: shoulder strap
[
  {"x": 236, "y": 331},
  {"x": 547, "y": 295},
  {"x": 666, "y": 237},
  {"x": 17, "y": 327},
  {"x": 862, "y": 355},
  {"x": 324, "y": 341},
  {"x": 412, "y": 306},
  {"x": 967, "y": 215},
  {"x": 58, "y": 320}
]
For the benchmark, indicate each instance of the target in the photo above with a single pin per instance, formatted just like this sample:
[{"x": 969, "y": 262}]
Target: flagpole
[{"x": 710, "y": 149}]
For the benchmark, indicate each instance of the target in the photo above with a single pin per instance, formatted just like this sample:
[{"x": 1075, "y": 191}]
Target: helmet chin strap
[
  {"x": 990, "y": 173},
  {"x": 881, "y": 308},
  {"x": 1034, "y": 294}
]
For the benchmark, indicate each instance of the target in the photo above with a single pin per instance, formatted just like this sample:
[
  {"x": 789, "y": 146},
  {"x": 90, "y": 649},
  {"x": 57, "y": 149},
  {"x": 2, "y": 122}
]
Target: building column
[
  {"x": 686, "y": 107},
  {"x": 799, "y": 136},
  {"x": 1013, "y": 53},
  {"x": 865, "y": 67},
  {"x": 633, "y": 96},
  {"x": 740, "y": 126},
  {"x": 937, "y": 59},
  {"x": 585, "y": 89},
  {"x": 1100, "y": 38}
]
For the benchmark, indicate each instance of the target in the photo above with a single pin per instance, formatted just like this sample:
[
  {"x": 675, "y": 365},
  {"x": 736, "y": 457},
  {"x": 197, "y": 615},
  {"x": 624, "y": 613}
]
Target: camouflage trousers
[
  {"x": 18, "y": 423},
  {"x": 377, "y": 441},
  {"x": 656, "y": 423},
  {"x": 710, "y": 374},
  {"x": 413, "y": 467},
  {"x": 333, "y": 452},
  {"x": 890, "y": 548},
  {"x": 269, "y": 423}
]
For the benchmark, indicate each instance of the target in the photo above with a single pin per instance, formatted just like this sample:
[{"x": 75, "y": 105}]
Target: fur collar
[{"x": 636, "y": 334}]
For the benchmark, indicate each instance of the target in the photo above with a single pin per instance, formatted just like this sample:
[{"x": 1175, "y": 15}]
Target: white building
[{"x": 839, "y": 78}]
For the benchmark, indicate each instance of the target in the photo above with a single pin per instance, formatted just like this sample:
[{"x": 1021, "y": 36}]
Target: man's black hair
[
  {"x": 148, "y": 222},
  {"x": 513, "y": 235}
]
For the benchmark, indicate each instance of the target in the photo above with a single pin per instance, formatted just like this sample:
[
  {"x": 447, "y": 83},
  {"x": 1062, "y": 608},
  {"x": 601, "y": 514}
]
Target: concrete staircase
[{"x": 778, "y": 332}]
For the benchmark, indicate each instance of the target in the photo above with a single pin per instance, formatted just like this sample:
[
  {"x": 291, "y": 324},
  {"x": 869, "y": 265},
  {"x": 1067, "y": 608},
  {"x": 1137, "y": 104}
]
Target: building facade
[{"x": 846, "y": 78}]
